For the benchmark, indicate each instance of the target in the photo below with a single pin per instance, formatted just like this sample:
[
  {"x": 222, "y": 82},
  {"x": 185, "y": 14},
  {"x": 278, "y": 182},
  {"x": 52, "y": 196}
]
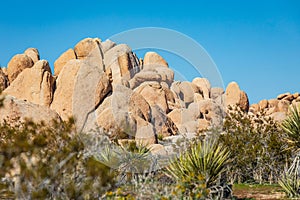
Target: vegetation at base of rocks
[
  {"x": 259, "y": 152},
  {"x": 291, "y": 126},
  {"x": 290, "y": 180},
  {"x": 38, "y": 162},
  {"x": 198, "y": 170}
]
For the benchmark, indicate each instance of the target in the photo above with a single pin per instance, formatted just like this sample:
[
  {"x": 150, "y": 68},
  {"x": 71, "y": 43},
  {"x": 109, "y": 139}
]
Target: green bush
[
  {"x": 257, "y": 145},
  {"x": 291, "y": 125},
  {"x": 290, "y": 180},
  {"x": 199, "y": 169},
  {"x": 42, "y": 162}
]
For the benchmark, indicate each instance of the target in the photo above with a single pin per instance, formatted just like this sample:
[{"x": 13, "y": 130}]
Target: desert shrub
[
  {"x": 257, "y": 145},
  {"x": 291, "y": 126},
  {"x": 198, "y": 171},
  {"x": 42, "y": 162},
  {"x": 290, "y": 180}
]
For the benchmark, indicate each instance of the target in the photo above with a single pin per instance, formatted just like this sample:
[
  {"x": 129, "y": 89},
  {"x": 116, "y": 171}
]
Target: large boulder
[
  {"x": 236, "y": 97},
  {"x": 145, "y": 134},
  {"x": 15, "y": 111},
  {"x": 17, "y": 64},
  {"x": 216, "y": 92},
  {"x": 154, "y": 60},
  {"x": 163, "y": 125},
  {"x": 121, "y": 64},
  {"x": 184, "y": 91},
  {"x": 87, "y": 95},
  {"x": 33, "y": 84},
  {"x": 139, "y": 107},
  {"x": 90, "y": 49},
  {"x": 204, "y": 86},
  {"x": 144, "y": 76},
  {"x": 154, "y": 94},
  {"x": 62, "y": 60},
  {"x": 212, "y": 112},
  {"x": 33, "y": 53},
  {"x": 263, "y": 104},
  {"x": 63, "y": 96},
  {"x": 107, "y": 45},
  {"x": 113, "y": 114},
  {"x": 86, "y": 46}
]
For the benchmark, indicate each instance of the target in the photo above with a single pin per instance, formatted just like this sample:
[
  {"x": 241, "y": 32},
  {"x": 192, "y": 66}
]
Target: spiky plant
[
  {"x": 291, "y": 125},
  {"x": 290, "y": 180},
  {"x": 200, "y": 167}
]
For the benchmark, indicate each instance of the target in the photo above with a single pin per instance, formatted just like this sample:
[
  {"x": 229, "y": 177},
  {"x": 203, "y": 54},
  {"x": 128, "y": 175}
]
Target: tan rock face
[
  {"x": 121, "y": 63},
  {"x": 184, "y": 91},
  {"x": 63, "y": 96},
  {"x": 17, "y": 64},
  {"x": 281, "y": 96},
  {"x": 263, "y": 104},
  {"x": 33, "y": 53},
  {"x": 15, "y": 110},
  {"x": 154, "y": 95},
  {"x": 107, "y": 45},
  {"x": 87, "y": 95},
  {"x": 155, "y": 60},
  {"x": 103, "y": 88},
  {"x": 216, "y": 92},
  {"x": 234, "y": 96},
  {"x": 33, "y": 84},
  {"x": 62, "y": 60},
  {"x": 114, "y": 116},
  {"x": 86, "y": 46},
  {"x": 139, "y": 107},
  {"x": 254, "y": 108},
  {"x": 145, "y": 134},
  {"x": 204, "y": 86}
]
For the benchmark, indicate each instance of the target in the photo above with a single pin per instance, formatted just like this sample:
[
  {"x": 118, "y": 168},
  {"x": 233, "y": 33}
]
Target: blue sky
[{"x": 255, "y": 43}]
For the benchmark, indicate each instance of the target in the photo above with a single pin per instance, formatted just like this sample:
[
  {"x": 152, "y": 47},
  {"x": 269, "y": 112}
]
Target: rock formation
[
  {"x": 277, "y": 108},
  {"x": 105, "y": 85}
]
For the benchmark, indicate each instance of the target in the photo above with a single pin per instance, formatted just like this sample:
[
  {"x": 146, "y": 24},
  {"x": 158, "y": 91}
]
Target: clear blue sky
[{"x": 255, "y": 43}]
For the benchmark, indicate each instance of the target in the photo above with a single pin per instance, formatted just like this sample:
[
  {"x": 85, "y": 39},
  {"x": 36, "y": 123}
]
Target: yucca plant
[
  {"x": 290, "y": 180},
  {"x": 291, "y": 125},
  {"x": 200, "y": 167}
]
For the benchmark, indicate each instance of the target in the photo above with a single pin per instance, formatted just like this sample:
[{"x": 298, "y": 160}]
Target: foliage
[
  {"x": 291, "y": 125},
  {"x": 258, "y": 148},
  {"x": 290, "y": 180},
  {"x": 39, "y": 162},
  {"x": 129, "y": 160},
  {"x": 199, "y": 169}
]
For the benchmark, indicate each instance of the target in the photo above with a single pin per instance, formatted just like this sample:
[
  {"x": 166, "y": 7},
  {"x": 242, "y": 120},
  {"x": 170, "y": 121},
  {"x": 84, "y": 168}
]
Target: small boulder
[
  {"x": 17, "y": 64},
  {"x": 62, "y": 60},
  {"x": 204, "y": 86},
  {"x": 216, "y": 92},
  {"x": 154, "y": 60},
  {"x": 154, "y": 94},
  {"x": 15, "y": 111},
  {"x": 34, "y": 84},
  {"x": 63, "y": 96},
  {"x": 33, "y": 53},
  {"x": 263, "y": 104},
  {"x": 236, "y": 97},
  {"x": 281, "y": 96},
  {"x": 107, "y": 45}
]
